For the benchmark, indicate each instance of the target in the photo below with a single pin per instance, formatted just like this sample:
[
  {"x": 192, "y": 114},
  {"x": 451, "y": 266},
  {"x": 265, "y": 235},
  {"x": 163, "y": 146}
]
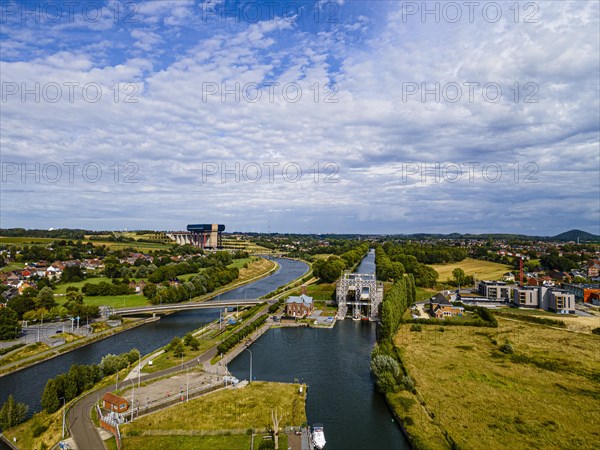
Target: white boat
[{"x": 318, "y": 436}]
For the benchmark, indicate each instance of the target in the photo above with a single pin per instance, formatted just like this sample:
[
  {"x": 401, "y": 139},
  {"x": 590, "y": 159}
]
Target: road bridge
[{"x": 168, "y": 307}]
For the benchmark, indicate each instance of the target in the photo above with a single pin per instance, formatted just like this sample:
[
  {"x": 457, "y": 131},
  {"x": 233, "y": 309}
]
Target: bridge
[{"x": 168, "y": 307}]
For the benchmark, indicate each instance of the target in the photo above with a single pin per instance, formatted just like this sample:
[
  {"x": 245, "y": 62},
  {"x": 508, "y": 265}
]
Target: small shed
[{"x": 114, "y": 403}]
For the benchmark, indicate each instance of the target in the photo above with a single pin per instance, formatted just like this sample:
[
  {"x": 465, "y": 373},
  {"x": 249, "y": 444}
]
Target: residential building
[
  {"x": 440, "y": 307},
  {"x": 593, "y": 268},
  {"x": 508, "y": 276},
  {"x": 299, "y": 306},
  {"x": 495, "y": 290},
  {"x": 547, "y": 298}
]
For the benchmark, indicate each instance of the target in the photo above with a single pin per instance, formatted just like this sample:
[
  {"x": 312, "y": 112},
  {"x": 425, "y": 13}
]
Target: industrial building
[{"x": 204, "y": 236}]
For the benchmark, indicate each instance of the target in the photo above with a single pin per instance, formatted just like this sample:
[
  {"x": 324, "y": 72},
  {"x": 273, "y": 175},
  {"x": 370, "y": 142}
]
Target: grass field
[
  {"x": 318, "y": 291},
  {"x": 248, "y": 407},
  {"x": 61, "y": 288},
  {"x": 545, "y": 395},
  {"x": 228, "y": 442},
  {"x": 8, "y": 240},
  {"x": 483, "y": 270}
]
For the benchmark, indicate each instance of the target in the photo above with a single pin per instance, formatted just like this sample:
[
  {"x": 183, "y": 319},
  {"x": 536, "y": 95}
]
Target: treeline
[
  {"x": 234, "y": 339},
  {"x": 391, "y": 265},
  {"x": 386, "y": 365},
  {"x": 105, "y": 288},
  {"x": 439, "y": 253},
  {"x": 60, "y": 233},
  {"x": 200, "y": 284},
  {"x": 396, "y": 300},
  {"x": 330, "y": 269},
  {"x": 80, "y": 378}
]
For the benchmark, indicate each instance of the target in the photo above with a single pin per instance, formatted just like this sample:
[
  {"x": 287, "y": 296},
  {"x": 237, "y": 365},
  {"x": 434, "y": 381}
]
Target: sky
[{"x": 301, "y": 116}]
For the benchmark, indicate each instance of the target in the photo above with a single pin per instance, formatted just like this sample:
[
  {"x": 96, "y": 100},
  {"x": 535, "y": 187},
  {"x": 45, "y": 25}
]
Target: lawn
[
  {"x": 12, "y": 266},
  {"x": 117, "y": 301},
  {"x": 545, "y": 395},
  {"x": 61, "y": 288},
  {"x": 482, "y": 270},
  {"x": 228, "y": 442},
  {"x": 248, "y": 407},
  {"x": 318, "y": 291}
]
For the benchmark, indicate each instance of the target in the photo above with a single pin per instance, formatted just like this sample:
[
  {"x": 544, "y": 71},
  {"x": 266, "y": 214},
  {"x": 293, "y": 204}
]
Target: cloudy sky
[{"x": 301, "y": 116}]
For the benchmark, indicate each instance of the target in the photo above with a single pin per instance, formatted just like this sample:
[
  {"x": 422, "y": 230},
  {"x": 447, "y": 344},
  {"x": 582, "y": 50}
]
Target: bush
[
  {"x": 507, "y": 348},
  {"x": 386, "y": 383},
  {"x": 382, "y": 363},
  {"x": 596, "y": 330},
  {"x": 38, "y": 429},
  {"x": 416, "y": 327}
]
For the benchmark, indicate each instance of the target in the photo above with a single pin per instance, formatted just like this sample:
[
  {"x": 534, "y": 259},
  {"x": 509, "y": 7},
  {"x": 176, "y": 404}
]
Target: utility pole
[
  {"x": 187, "y": 385},
  {"x": 139, "y": 368}
]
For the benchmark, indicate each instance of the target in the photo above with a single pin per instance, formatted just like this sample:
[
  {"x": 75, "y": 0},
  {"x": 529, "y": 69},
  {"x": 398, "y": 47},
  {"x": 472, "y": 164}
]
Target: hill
[{"x": 573, "y": 235}]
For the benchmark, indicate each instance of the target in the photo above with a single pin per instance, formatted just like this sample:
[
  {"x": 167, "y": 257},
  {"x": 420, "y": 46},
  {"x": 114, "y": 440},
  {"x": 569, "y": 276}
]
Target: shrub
[
  {"x": 596, "y": 330},
  {"x": 416, "y": 327},
  {"x": 38, "y": 429},
  {"x": 507, "y": 348},
  {"x": 386, "y": 383},
  {"x": 384, "y": 364}
]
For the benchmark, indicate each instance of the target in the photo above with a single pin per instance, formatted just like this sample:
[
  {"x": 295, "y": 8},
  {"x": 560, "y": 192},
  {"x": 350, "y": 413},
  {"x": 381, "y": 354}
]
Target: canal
[
  {"x": 28, "y": 384},
  {"x": 335, "y": 365}
]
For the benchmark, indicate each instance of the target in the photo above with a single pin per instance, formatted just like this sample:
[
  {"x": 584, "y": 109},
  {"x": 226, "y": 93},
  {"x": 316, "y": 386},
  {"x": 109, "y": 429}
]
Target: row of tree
[
  {"x": 203, "y": 283},
  {"x": 105, "y": 288},
  {"x": 233, "y": 340}
]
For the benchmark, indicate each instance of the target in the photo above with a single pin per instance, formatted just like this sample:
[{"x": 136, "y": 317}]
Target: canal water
[
  {"x": 335, "y": 365},
  {"x": 28, "y": 384}
]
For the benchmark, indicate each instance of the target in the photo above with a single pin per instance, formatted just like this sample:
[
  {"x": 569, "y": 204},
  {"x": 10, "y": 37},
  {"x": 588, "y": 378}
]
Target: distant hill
[{"x": 572, "y": 235}]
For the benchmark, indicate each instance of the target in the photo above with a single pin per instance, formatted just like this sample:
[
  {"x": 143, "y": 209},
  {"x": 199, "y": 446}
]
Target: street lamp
[
  {"x": 246, "y": 349},
  {"x": 63, "y": 416},
  {"x": 132, "y": 397},
  {"x": 187, "y": 385}
]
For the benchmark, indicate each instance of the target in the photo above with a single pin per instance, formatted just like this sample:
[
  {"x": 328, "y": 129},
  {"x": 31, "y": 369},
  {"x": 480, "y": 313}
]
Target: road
[{"x": 80, "y": 424}]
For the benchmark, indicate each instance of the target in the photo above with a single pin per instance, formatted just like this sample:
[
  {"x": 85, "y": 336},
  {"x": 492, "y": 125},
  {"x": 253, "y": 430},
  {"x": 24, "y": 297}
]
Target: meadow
[
  {"x": 482, "y": 270},
  {"x": 546, "y": 394}
]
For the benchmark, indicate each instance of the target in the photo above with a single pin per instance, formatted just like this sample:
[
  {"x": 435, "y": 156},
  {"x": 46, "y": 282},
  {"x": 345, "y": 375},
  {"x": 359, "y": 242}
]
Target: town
[{"x": 60, "y": 294}]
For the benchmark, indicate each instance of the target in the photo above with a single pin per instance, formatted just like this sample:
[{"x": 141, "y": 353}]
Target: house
[
  {"x": 114, "y": 403},
  {"x": 24, "y": 285},
  {"x": 25, "y": 273},
  {"x": 593, "y": 268},
  {"x": 139, "y": 286},
  {"x": 440, "y": 307},
  {"x": 508, "y": 276},
  {"x": 299, "y": 306}
]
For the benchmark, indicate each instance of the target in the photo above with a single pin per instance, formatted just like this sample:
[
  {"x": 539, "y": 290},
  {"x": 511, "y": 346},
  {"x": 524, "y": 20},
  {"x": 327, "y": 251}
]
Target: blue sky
[{"x": 301, "y": 116}]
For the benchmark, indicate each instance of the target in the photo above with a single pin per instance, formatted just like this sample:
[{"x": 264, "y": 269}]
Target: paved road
[{"x": 82, "y": 427}]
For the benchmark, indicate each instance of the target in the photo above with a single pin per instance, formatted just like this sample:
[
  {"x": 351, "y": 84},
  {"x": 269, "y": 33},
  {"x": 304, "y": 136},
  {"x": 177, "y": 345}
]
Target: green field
[
  {"x": 227, "y": 409},
  {"x": 8, "y": 240},
  {"x": 544, "y": 395},
  {"x": 228, "y": 442},
  {"x": 61, "y": 288},
  {"x": 482, "y": 270}
]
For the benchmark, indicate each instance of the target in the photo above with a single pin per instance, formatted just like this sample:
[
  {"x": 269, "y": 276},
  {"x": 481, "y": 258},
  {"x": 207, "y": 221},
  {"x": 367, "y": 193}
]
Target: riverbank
[{"x": 53, "y": 352}]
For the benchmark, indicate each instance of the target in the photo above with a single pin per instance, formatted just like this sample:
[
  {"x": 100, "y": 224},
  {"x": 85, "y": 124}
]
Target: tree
[
  {"x": 176, "y": 346},
  {"x": 459, "y": 275},
  {"x": 12, "y": 413},
  {"x": 276, "y": 418},
  {"x": 10, "y": 328},
  {"x": 50, "y": 399},
  {"x": 45, "y": 299},
  {"x": 72, "y": 274},
  {"x": 21, "y": 304},
  {"x": 191, "y": 341}
]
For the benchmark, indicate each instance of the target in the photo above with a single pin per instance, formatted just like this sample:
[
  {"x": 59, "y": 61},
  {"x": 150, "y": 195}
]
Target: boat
[{"x": 318, "y": 436}]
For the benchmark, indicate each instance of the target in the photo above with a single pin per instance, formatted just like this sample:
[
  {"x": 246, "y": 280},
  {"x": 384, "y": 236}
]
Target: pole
[
  {"x": 187, "y": 385},
  {"x": 139, "y": 368},
  {"x": 132, "y": 397},
  {"x": 63, "y": 416}
]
